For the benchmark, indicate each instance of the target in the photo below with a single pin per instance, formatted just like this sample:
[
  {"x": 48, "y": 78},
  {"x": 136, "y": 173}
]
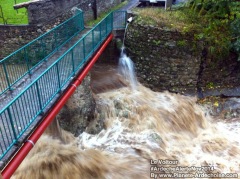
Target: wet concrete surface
[
  {"x": 226, "y": 92},
  {"x": 223, "y": 103},
  {"x": 222, "y": 108}
]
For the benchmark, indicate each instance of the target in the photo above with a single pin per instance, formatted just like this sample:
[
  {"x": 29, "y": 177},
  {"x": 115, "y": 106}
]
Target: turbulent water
[
  {"x": 126, "y": 69},
  {"x": 146, "y": 134}
]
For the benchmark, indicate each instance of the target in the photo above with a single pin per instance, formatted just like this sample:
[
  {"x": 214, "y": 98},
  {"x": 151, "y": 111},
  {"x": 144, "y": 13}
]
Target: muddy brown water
[
  {"x": 105, "y": 77},
  {"x": 146, "y": 134}
]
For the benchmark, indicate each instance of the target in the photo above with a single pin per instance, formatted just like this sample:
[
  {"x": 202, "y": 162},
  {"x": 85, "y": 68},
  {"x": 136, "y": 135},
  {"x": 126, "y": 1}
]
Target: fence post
[
  {"x": 7, "y": 77},
  {"x": 106, "y": 25},
  {"x": 39, "y": 97},
  {"x": 58, "y": 76},
  {"x": 92, "y": 40},
  {"x": 84, "y": 48},
  {"x": 100, "y": 29},
  {"x": 112, "y": 20},
  {"x": 43, "y": 49},
  {"x": 55, "y": 40},
  {"x": 11, "y": 122},
  {"x": 82, "y": 21},
  {"x": 27, "y": 61},
  {"x": 73, "y": 62}
]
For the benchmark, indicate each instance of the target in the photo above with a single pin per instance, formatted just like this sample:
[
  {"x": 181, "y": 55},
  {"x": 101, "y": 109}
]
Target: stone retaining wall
[
  {"x": 221, "y": 74},
  {"x": 13, "y": 37},
  {"x": 165, "y": 59},
  {"x": 44, "y": 10}
]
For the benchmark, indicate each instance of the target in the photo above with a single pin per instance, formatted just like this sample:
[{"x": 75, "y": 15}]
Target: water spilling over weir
[{"x": 126, "y": 69}]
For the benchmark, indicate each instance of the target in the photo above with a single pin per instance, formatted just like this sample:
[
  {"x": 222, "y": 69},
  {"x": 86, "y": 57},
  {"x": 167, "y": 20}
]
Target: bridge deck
[{"x": 6, "y": 97}]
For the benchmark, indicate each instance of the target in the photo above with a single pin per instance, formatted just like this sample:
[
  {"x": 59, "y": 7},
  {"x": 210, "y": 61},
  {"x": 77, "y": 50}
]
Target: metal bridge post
[
  {"x": 92, "y": 40},
  {"x": 39, "y": 97},
  {"x": 58, "y": 76},
  {"x": 84, "y": 49},
  {"x": 11, "y": 122},
  {"x": 112, "y": 21},
  {"x": 100, "y": 27},
  {"x": 55, "y": 40},
  {"x": 106, "y": 25},
  {"x": 27, "y": 61},
  {"x": 43, "y": 48},
  {"x": 73, "y": 62},
  {"x": 6, "y": 75}
]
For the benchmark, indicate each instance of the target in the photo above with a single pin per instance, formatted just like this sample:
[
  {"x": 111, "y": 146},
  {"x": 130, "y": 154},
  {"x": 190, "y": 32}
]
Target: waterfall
[{"x": 126, "y": 66}]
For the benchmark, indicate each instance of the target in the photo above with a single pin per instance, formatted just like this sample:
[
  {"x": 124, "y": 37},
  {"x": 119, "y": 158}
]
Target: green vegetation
[
  {"x": 210, "y": 85},
  {"x": 181, "y": 43},
  {"x": 221, "y": 22},
  {"x": 104, "y": 14},
  {"x": 215, "y": 22},
  {"x": 157, "y": 42},
  {"x": 10, "y": 15}
]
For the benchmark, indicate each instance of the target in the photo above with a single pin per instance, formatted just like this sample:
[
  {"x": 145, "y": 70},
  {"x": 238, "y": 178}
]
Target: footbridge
[{"x": 38, "y": 79}]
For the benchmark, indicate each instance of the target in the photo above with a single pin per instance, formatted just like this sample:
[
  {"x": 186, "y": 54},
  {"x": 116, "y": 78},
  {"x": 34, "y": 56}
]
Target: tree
[{"x": 222, "y": 19}]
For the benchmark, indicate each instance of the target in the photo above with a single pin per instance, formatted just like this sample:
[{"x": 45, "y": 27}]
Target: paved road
[{"x": 131, "y": 4}]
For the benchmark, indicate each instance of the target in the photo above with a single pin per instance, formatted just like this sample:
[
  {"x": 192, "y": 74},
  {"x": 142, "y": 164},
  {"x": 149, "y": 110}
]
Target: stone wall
[
  {"x": 13, "y": 37},
  {"x": 111, "y": 54},
  {"x": 165, "y": 59},
  {"x": 41, "y": 11},
  {"x": 79, "y": 110},
  {"x": 221, "y": 73}
]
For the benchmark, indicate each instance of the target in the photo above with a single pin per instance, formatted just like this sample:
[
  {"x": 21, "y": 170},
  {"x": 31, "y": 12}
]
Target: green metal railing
[
  {"x": 24, "y": 60},
  {"x": 120, "y": 19},
  {"x": 25, "y": 109}
]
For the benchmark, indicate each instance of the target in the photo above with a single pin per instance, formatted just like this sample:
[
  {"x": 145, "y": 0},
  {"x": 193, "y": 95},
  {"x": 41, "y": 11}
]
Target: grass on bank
[
  {"x": 103, "y": 14},
  {"x": 215, "y": 34},
  {"x": 175, "y": 20},
  {"x": 12, "y": 16}
]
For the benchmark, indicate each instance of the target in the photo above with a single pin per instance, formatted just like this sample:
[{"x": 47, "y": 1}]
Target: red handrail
[{"x": 25, "y": 149}]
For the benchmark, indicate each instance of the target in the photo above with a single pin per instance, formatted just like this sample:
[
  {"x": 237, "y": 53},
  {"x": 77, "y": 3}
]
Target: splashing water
[
  {"x": 165, "y": 126},
  {"x": 126, "y": 69},
  {"x": 140, "y": 127},
  {"x": 126, "y": 66}
]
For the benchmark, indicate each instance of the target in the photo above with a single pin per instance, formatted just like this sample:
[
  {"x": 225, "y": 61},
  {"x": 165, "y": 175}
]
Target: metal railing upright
[
  {"x": 24, "y": 110},
  {"x": 21, "y": 62}
]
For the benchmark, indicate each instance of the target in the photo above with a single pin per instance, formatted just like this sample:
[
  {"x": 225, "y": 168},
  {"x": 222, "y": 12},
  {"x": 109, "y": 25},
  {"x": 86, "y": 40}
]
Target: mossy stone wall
[{"x": 165, "y": 59}]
